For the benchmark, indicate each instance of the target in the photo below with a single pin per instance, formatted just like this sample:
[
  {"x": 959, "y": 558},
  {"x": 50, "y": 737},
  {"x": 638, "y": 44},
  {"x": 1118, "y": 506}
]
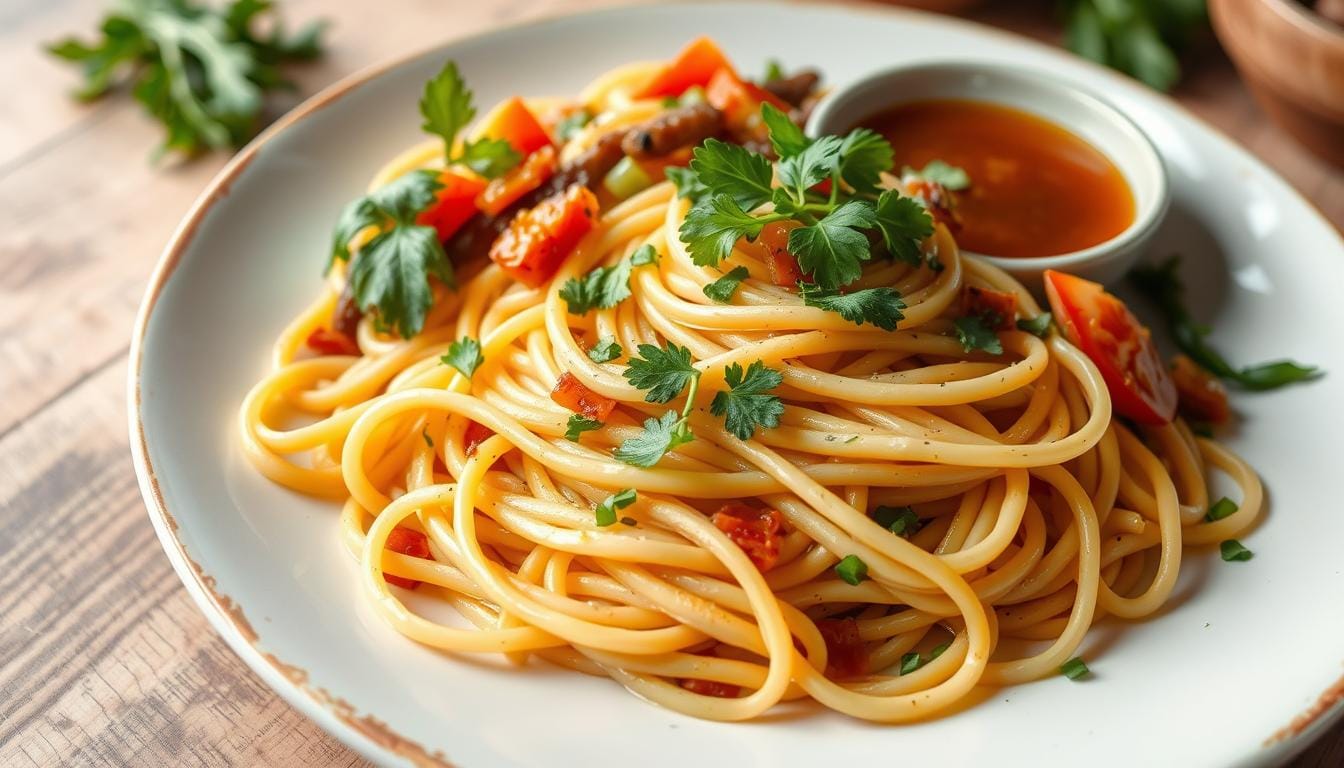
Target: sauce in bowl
[{"x": 1036, "y": 188}]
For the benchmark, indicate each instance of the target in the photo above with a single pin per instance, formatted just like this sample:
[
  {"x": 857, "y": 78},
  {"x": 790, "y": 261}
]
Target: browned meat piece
[
  {"x": 345, "y": 317},
  {"x": 672, "y": 130},
  {"x": 794, "y": 88}
]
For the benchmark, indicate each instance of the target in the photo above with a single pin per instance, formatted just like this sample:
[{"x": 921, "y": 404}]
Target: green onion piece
[
  {"x": 626, "y": 179},
  {"x": 938, "y": 650},
  {"x": 901, "y": 521},
  {"x": 1234, "y": 551},
  {"x": 852, "y": 570},
  {"x": 909, "y": 663},
  {"x": 1074, "y": 669},
  {"x": 1221, "y": 509},
  {"x": 693, "y": 95},
  {"x": 606, "y": 511}
]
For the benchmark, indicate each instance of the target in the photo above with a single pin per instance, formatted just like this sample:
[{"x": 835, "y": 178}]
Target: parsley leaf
[
  {"x": 877, "y": 306},
  {"x": 974, "y": 334},
  {"x": 687, "y": 183},
  {"x": 713, "y": 226},
  {"x": 904, "y": 224},
  {"x": 722, "y": 290},
  {"x": 464, "y": 355},
  {"x": 569, "y": 127},
  {"x": 833, "y": 249},
  {"x": 605, "y": 350},
  {"x": 489, "y": 157},
  {"x": 1038, "y": 326},
  {"x": 606, "y": 511},
  {"x": 660, "y": 435},
  {"x": 577, "y": 425},
  {"x": 663, "y": 372},
  {"x": 602, "y": 288},
  {"x": 643, "y": 256},
  {"x": 785, "y": 135},
  {"x": 745, "y": 405},
  {"x": 773, "y": 70},
  {"x": 950, "y": 177},
  {"x": 864, "y": 154},
  {"x": 805, "y": 169},
  {"x": 734, "y": 171},
  {"x": 446, "y": 106}
]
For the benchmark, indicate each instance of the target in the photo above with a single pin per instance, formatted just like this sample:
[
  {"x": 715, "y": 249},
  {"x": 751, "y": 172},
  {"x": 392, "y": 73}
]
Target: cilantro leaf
[
  {"x": 722, "y": 290},
  {"x": 876, "y": 306},
  {"x": 904, "y": 224},
  {"x": 815, "y": 162},
  {"x": 606, "y": 511},
  {"x": 713, "y": 226},
  {"x": 602, "y": 288},
  {"x": 446, "y": 106},
  {"x": 974, "y": 334},
  {"x": 489, "y": 157},
  {"x": 390, "y": 276},
  {"x": 605, "y": 350},
  {"x": 660, "y": 435},
  {"x": 833, "y": 249},
  {"x": 746, "y": 405},
  {"x": 732, "y": 170},
  {"x": 785, "y": 135},
  {"x": 464, "y": 355},
  {"x": 949, "y": 176},
  {"x": 687, "y": 183},
  {"x": 663, "y": 372},
  {"x": 864, "y": 154},
  {"x": 577, "y": 425},
  {"x": 1038, "y": 326}
]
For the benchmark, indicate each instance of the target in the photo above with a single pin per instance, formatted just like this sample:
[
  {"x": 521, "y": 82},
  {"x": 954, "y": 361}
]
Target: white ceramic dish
[
  {"x": 1038, "y": 92},
  {"x": 1238, "y": 671}
]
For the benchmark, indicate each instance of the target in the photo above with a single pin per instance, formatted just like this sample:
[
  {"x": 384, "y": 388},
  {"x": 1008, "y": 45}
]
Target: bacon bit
[
  {"x": 1202, "y": 397},
  {"x": 475, "y": 435},
  {"x": 846, "y": 655},
  {"x": 539, "y": 239},
  {"x": 504, "y": 191},
  {"x": 997, "y": 308},
  {"x": 570, "y": 393},
  {"x": 407, "y": 542},
  {"x": 325, "y": 341},
  {"x": 756, "y": 531},
  {"x": 711, "y": 688}
]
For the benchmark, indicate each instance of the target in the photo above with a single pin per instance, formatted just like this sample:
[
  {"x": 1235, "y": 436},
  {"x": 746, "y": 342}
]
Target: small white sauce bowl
[{"x": 1068, "y": 106}]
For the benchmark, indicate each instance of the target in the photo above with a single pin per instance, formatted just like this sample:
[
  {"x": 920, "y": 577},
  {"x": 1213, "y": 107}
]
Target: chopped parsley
[
  {"x": 747, "y": 405},
  {"x": 852, "y": 570},
  {"x": 1038, "y": 326},
  {"x": 663, "y": 372},
  {"x": 876, "y": 306},
  {"x": 1074, "y": 669},
  {"x": 901, "y": 521},
  {"x": 722, "y": 289},
  {"x": 950, "y": 177},
  {"x": 602, "y": 288},
  {"x": 605, "y": 350},
  {"x": 464, "y": 355},
  {"x": 910, "y": 662},
  {"x": 569, "y": 127},
  {"x": 974, "y": 334},
  {"x": 606, "y": 511},
  {"x": 1222, "y": 508},
  {"x": 1233, "y": 551},
  {"x": 773, "y": 70},
  {"x": 643, "y": 255},
  {"x": 577, "y": 425},
  {"x": 660, "y": 435}
]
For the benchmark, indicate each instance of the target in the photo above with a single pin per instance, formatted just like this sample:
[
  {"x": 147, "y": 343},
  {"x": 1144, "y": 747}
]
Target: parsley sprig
[
  {"x": 663, "y": 372},
  {"x": 447, "y": 109},
  {"x": 731, "y": 185},
  {"x": 604, "y": 287},
  {"x": 747, "y": 403}
]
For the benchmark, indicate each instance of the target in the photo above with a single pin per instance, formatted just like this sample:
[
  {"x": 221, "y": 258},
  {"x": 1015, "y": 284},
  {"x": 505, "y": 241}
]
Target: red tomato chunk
[
  {"x": 711, "y": 688},
  {"x": 475, "y": 435},
  {"x": 1202, "y": 397},
  {"x": 539, "y": 239},
  {"x": 997, "y": 308},
  {"x": 756, "y": 531},
  {"x": 570, "y": 393},
  {"x": 325, "y": 341},
  {"x": 407, "y": 542}
]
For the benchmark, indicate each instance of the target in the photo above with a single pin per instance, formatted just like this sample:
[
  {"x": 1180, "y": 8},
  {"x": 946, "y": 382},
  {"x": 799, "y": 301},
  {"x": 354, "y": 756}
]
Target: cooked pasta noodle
[{"x": 1042, "y": 513}]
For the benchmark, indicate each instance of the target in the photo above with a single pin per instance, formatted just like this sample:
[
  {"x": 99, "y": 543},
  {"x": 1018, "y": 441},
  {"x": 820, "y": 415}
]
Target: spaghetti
[{"x": 922, "y": 519}]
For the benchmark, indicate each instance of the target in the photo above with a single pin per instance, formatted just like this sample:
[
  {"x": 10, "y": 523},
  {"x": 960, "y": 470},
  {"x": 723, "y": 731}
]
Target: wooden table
[{"x": 103, "y": 657}]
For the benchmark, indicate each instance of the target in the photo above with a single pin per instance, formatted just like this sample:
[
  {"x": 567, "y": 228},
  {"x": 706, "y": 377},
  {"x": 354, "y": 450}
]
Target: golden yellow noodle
[{"x": 1045, "y": 514}]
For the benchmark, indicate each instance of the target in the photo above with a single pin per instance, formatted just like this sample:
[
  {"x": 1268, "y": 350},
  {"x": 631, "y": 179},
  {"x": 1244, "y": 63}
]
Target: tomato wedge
[
  {"x": 773, "y": 247},
  {"x": 538, "y": 239},
  {"x": 1121, "y": 347},
  {"x": 739, "y": 101},
  {"x": 695, "y": 65},
  {"x": 454, "y": 205},
  {"x": 756, "y": 531},
  {"x": 504, "y": 191},
  {"x": 515, "y": 123},
  {"x": 570, "y": 393}
]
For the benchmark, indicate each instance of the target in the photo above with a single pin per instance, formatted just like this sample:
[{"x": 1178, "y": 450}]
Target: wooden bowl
[{"x": 1293, "y": 62}]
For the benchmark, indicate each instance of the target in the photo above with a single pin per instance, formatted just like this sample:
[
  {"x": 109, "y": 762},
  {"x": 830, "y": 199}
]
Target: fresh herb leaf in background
[
  {"x": 1162, "y": 285},
  {"x": 201, "y": 71},
  {"x": 1141, "y": 38},
  {"x": 950, "y": 177}
]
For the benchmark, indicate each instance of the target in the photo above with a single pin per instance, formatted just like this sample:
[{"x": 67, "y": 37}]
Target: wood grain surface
[{"x": 104, "y": 659}]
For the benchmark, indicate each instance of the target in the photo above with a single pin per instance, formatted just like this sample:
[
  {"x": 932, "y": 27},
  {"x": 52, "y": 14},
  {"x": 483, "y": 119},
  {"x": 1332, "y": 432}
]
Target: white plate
[{"x": 1244, "y": 649}]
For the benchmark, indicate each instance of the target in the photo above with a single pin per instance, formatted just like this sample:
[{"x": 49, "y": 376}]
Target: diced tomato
[
  {"x": 756, "y": 531},
  {"x": 1201, "y": 396},
  {"x": 325, "y": 341},
  {"x": 739, "y": 101},
  {"x": 538, "y": 240},
  {"x": 695, "y": 65},
  {"x": 407, "y": 542},
  {"x": 710, "y": 688},
  {"x": 515, "y": 123},
  {"x": 774, "y": 247},
  {"x": 454, "y": 205},
  {"x": 997, "y": 308},
  {"x": 570, "y": 393},
  {"x": 502, "y": 192},
  {"x": 845, "y": 653},
  {"x": 1121, "y": 347},
  {"x": 475, "y": 435}
]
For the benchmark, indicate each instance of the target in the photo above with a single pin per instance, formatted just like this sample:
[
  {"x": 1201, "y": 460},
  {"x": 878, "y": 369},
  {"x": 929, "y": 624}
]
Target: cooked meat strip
[
  {"x": 794, "y": 88},
  {"x": 672, "y": 130}
]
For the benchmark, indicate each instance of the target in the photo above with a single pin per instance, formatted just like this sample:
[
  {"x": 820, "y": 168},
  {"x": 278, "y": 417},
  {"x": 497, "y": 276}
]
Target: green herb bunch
[{"x": 1141, "y": 38}]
